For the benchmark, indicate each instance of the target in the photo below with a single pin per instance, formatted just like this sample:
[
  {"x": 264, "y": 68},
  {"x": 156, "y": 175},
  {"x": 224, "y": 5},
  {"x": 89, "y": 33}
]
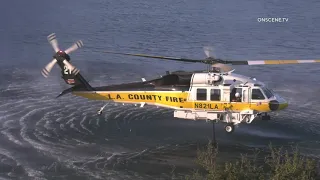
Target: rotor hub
[
  {"x": 211, "y": 60},
  {"x": 61, "y": 55},
  {"x": 61, "y": 52}
]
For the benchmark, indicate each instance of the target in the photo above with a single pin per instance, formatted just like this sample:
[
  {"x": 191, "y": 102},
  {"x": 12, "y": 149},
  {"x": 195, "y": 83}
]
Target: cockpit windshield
[{"x": 267, "y": 92}]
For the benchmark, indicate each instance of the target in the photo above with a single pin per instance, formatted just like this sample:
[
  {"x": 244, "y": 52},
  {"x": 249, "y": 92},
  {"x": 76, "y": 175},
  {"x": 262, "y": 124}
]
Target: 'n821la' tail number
[{"x": 205, "y": 106}]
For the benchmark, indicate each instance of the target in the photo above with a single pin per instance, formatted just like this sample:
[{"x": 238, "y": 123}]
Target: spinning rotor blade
[
  {"x": 209, "y": 60},
  {"x": 45, "y": 71},
  {"x": 53, "y": 41},
  {"x": 61, "y": 56},
  {"x": 271, "y": 62},
  {"x": 157, "y": 57},
  {"x": 74, "y": 47},
  {"x": 213, "y": 61}
]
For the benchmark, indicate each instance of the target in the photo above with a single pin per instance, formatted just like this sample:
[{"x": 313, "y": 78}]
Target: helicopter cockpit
[
  {"x": 261, "y": 93},
  {"x": 246, "y": 94}
]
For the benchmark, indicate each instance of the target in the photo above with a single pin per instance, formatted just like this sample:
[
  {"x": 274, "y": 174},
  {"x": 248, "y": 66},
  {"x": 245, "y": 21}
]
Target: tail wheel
[{"x": 229, "y": 128}]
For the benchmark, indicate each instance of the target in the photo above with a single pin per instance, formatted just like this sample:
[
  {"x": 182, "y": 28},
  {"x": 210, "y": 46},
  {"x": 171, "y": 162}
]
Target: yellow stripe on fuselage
[{"x": 171, "y": 99}]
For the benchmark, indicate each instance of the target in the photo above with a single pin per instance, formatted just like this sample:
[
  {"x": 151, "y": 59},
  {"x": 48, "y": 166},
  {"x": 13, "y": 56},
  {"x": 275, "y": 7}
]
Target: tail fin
[
  {"x": 70, "y": 74},
  {"x": 74, "y": 79},
  {"x": 77, "y": 82}
]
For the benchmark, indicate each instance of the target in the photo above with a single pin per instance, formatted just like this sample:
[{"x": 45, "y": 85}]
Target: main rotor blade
[
  {"x": 74, "y": 47},
  {"x": 45, "y": 71},
  {"x": 212, "y": 60},
  {"x": 271, "y": 62},
  {"x": 157, "y": 57},
  {"x": 53, "y": 41}
]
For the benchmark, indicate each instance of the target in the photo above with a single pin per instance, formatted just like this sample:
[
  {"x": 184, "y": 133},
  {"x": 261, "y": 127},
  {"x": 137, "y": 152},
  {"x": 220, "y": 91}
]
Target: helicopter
[{"x": 216, "y": 94}]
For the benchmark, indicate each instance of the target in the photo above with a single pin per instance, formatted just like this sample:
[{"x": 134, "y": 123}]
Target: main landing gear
[
  {"x": 229, "y": 128},
  {"x": 265, "y": 117}
]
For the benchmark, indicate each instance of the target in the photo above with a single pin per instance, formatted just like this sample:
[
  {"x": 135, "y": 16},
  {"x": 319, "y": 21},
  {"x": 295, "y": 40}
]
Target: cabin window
[
  {"x": 215, "y": 95},
  {"x": 257, "y": 94},
  {"x": 201, "y": 94}
]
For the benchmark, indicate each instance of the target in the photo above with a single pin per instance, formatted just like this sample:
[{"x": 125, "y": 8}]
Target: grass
[{"x": 278, "y": 164}]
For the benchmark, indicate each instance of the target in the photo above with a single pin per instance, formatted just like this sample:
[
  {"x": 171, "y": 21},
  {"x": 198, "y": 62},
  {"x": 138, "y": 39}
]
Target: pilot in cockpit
[{"x": 236, "y": 98}]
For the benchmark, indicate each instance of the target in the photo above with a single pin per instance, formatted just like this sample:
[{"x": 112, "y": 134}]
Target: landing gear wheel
[
  {"x": 247, "y": 119},
  {"x": 229, "y": 128}
]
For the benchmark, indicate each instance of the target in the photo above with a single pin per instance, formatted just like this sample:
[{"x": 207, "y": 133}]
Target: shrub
[
  {"x": 279, "y": 165},
  {"x": 283, "y": 165}
]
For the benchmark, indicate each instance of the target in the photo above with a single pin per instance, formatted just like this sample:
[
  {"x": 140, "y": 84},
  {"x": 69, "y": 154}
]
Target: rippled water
[{"x": 48, "y": 138}]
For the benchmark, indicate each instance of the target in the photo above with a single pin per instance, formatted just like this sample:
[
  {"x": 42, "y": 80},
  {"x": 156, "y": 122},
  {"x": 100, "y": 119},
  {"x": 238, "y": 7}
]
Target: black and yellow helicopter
[{"x": 216, "y": 94}]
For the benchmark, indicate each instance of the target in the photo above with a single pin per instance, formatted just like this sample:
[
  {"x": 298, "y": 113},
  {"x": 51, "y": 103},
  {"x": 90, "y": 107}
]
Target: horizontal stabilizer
[
  {"x": 79, "y": 87},
  {"x": 69, "y": 90}
]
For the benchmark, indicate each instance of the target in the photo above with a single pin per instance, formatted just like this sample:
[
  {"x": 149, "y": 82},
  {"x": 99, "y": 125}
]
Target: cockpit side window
[
  {"x": 267, "y": 92},
  {"x": 257, "y": 94}
]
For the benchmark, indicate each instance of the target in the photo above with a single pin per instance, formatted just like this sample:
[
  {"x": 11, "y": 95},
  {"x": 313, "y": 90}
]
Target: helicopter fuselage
[{"x": 209, "y": 92}]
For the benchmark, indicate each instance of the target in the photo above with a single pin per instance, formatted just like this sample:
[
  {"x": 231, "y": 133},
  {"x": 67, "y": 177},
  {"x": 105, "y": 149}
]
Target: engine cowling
[{"x": 209, "y": 79}]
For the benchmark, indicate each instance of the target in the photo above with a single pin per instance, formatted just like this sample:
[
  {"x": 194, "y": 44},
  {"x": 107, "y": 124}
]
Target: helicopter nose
[
  {"x": 283, "y": 105},
  {"x": 275, "y": 105}
]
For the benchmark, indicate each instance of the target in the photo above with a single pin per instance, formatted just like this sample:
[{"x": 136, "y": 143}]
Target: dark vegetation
[{"x": 277, "y": 164}]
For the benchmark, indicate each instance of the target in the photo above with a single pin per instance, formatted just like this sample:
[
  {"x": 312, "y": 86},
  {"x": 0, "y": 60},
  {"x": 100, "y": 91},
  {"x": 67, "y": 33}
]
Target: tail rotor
[
  {"x": 61, "y": 57},
  {"x": 74, "y": 47},
  {"x": 53, "y": 41},
  {"x": 45, "y": 71}
]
